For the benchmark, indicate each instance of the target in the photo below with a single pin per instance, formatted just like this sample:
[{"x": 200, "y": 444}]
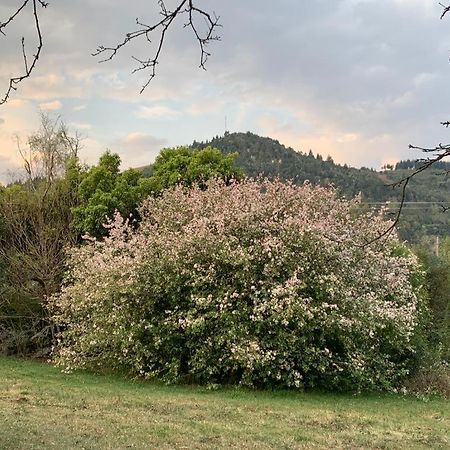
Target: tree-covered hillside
[{"x": 265, "y": 156}]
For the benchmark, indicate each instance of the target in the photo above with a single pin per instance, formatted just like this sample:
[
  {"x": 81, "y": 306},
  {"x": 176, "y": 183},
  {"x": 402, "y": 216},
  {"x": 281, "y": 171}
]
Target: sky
[{"x": 358, "y": 80}]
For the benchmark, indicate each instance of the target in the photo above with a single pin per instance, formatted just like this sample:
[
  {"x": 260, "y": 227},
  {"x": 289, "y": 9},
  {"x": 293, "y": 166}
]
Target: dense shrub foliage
[
  {"x": 438, "y": 287},
  {"x": 258, "y": 283}
]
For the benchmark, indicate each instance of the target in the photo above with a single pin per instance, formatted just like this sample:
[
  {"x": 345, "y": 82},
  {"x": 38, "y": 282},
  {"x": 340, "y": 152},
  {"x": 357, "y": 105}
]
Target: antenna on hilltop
[{"x": 226, "y": 130}]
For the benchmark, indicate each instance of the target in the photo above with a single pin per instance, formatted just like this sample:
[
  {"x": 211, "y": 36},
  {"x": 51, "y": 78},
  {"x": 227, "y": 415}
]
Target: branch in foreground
[
  {"x": 445, "y": 10},
  {"x": 440, "y": 152},
  {"x": 29, "y": 67},
  {"x": 185, "y": 8}
]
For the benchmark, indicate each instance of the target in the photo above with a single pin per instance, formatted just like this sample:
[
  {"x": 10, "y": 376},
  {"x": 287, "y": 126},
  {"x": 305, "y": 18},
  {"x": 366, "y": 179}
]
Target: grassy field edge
[{"x": 41, "y": 407}]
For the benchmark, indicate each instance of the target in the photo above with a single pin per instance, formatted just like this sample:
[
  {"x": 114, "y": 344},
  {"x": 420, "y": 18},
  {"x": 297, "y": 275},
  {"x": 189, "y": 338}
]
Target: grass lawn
[{"x": 42, "y": 408}]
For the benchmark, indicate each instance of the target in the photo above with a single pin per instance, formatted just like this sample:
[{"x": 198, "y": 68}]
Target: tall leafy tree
[
  {"x": 187, "y": 166},
  {"x": 103, "y": 190}
]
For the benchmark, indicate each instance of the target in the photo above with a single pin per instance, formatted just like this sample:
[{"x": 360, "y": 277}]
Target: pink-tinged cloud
[{"x": 50, "y": 106}]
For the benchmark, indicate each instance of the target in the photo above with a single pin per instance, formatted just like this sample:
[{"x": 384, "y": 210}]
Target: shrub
[
  {"x": 258, "y": 283},
  {"x": 433, "y": 380},
  {"x": 437, "y": 281}
]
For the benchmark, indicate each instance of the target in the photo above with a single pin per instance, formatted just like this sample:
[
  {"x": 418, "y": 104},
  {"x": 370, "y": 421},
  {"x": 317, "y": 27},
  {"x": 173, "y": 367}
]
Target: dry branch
[
  {"x": 185, "y": 8},
  {"x": 445, "y": 10},
  {"x": 440, "y": 152},
  {"x": 28, "y": 66}
]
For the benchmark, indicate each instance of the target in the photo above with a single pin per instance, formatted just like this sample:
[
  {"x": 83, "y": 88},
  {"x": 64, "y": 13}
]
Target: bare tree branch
[
  {"x": 440, "y": 152},
  {"x": 3, "y": 25},
  {"x": 445, "y": 10},
  {"x": 144, "y": 32},
  {"x": 14, "y": 81},
  {"x": 159, "y": 29}
]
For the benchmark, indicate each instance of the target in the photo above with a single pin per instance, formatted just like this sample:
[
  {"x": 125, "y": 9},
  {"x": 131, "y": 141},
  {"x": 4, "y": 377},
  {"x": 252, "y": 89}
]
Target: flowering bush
[{"x": 259, "y": 283}]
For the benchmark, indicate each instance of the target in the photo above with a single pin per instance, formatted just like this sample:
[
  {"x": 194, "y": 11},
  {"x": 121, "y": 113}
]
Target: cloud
[
  {"x": 80, "y": 126},
  {"x": 50, "y": 106},
  {"x": 345, "y": 148},
  {"x": 344, "y": 69},
  {"x": 138, "y": 149},
  {"x": 16, "y": 103},
  {"x": 91, "y": 150},
  {"x": 20, "y": 121},
  {"x": 157, "y": 112},
  {"x": 10, "y": 170}
]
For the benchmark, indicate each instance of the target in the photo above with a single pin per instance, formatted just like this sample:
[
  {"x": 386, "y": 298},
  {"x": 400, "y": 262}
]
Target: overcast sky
[{"x": 355, "y": 79}]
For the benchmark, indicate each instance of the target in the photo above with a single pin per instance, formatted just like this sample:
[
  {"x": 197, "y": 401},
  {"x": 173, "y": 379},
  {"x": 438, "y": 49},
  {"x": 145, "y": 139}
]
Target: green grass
[{"x": 41, "y": 408}]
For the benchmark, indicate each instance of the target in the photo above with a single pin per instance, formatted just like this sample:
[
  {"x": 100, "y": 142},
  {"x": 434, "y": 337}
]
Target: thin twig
[
  {"x": 445, "y": 11},
  {"x": 5, "y": 24},
  {"x": 441, "y": 152}
]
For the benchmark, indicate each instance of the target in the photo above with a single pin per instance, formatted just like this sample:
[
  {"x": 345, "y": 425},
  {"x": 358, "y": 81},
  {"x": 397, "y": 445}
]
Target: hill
[{"x": 265, "y": 156}]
